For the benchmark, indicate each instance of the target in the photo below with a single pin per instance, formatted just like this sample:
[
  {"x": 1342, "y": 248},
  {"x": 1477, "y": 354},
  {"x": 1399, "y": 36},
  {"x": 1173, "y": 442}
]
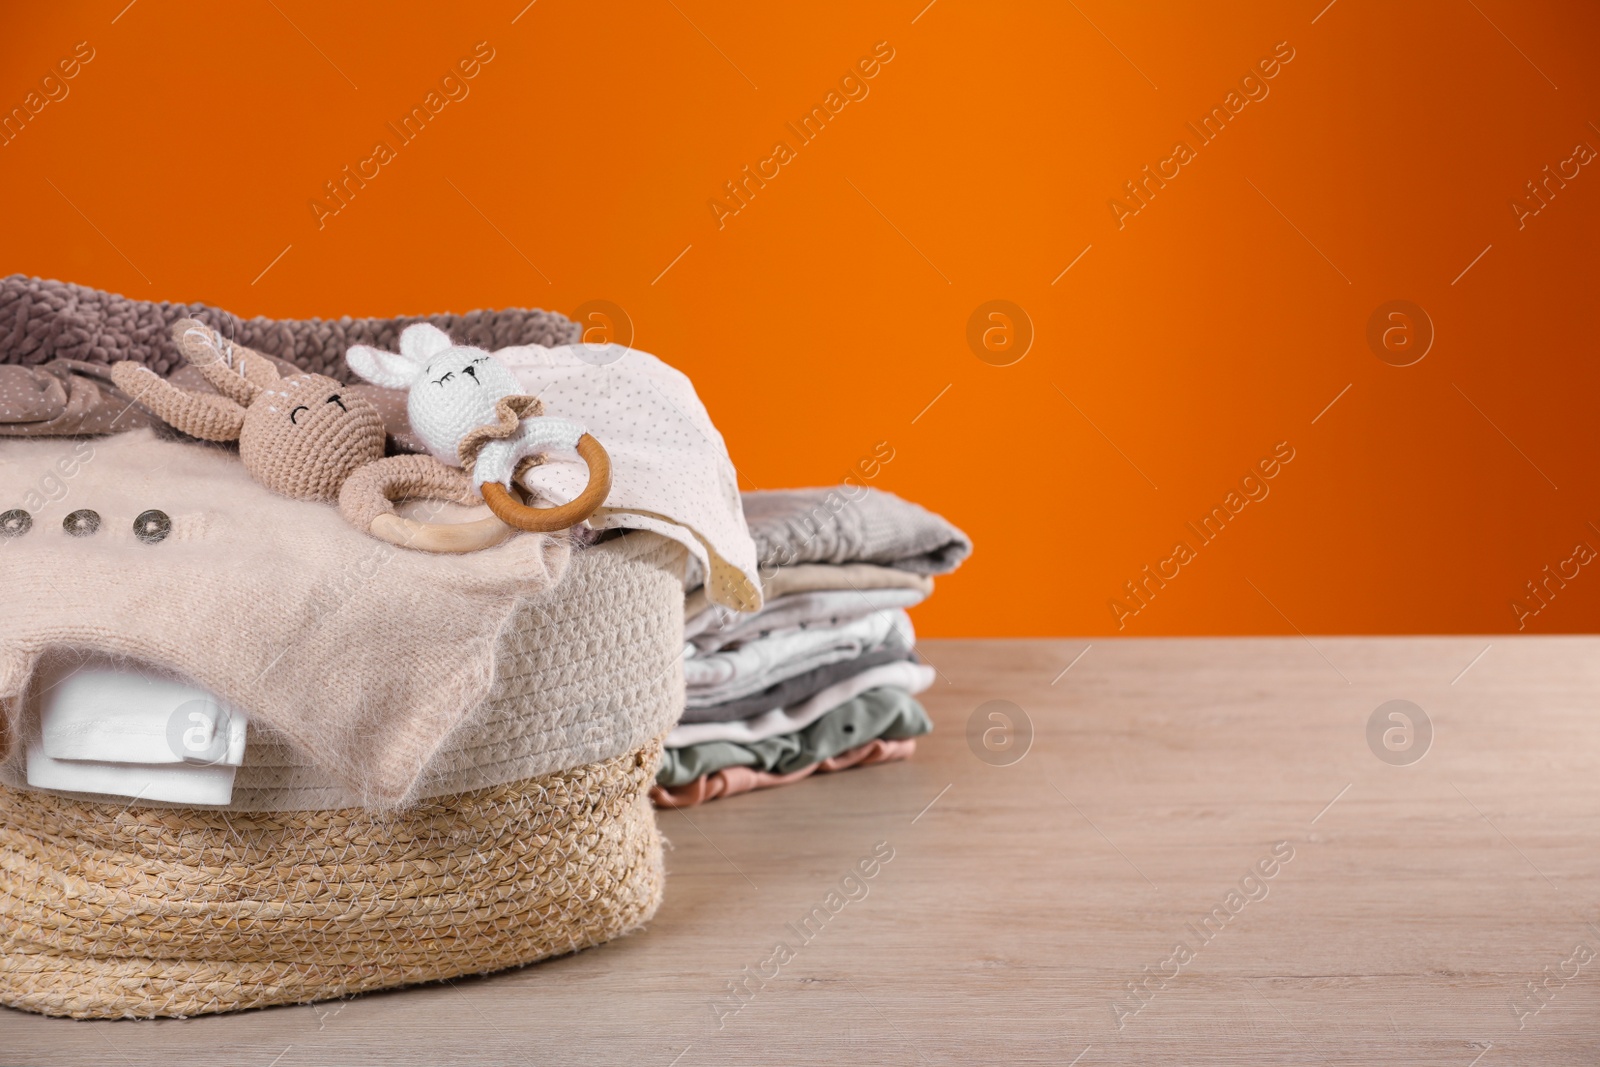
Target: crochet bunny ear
[
  {"x": 237, "y": 372},
  {"x": 388, "y": 369},
  {"x": 204, "y": 415},
  {"x": 421, "y": 341}
]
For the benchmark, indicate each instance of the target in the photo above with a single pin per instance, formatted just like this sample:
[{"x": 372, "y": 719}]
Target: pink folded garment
[{"x": 730, "y": 781}]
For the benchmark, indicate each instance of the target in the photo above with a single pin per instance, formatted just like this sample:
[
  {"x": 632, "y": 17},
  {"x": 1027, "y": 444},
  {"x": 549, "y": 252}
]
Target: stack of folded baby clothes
[{"x": 824, "y": 676}]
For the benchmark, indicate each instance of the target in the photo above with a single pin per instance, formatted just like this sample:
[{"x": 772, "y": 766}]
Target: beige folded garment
[
  {"x": 361, "y": 657},
  {"x": 816, "y": 577},
  {"x": 589, "y": 671}
]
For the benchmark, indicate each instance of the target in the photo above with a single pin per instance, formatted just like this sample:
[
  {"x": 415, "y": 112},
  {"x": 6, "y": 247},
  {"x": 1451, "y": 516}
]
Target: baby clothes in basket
[{"x": 120, "y": 730}]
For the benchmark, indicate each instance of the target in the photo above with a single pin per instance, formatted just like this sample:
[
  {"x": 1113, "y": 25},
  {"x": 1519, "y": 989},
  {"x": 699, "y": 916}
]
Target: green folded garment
[{"x": 887, "y": 712}]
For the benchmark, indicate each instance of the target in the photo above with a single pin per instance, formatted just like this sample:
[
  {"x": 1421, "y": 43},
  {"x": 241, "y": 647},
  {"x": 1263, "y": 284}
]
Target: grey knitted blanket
[{"x": 42, "y": 321}]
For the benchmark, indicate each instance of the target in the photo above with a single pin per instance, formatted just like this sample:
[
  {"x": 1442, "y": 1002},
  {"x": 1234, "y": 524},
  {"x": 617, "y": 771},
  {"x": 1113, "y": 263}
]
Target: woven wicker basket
[{"x": 135, "y": 912}]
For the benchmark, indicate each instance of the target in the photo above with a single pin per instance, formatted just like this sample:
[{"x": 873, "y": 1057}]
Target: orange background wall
[{"x": 827, "y": 315}]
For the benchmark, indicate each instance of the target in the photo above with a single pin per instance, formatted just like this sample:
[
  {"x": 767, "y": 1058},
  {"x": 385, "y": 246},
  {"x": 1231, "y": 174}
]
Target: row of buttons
[{"x": 151, "y": 527}]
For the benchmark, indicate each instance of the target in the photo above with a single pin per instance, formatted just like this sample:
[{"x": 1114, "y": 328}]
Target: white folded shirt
[
  {"x": 912, "y": 677},
  {"x": 128, "y": 731}
]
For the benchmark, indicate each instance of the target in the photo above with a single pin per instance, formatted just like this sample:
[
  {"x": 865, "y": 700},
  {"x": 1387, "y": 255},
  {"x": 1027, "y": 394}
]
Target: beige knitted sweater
[{"x": 365, "y": 657}]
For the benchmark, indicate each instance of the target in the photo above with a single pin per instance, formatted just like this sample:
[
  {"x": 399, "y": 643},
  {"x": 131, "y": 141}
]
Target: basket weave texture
[{"x": 139, "y": 912}]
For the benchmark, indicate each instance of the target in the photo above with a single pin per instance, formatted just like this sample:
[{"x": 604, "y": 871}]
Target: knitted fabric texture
[
  {"x": 585, "y": 673},
  {"x": 365, "y": 656},
  {"x": 43, "y": 320},
  {"x": 115, "y": 911}
]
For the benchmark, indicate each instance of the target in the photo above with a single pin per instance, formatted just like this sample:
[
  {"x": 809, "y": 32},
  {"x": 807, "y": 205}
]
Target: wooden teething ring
[
  {"x": 548, "y": 520},
  {"x": 439, "y": 537}
]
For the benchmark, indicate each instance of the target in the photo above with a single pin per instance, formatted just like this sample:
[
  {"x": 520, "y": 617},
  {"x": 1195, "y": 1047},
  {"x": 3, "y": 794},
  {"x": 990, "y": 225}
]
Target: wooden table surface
[{"x": 1409, "y": 907}]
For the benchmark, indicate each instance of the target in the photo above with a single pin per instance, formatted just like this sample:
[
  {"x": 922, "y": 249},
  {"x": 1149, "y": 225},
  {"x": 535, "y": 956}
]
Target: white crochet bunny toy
[
  {"x": 455, "y": 390},
  {"x": 469, "y": 410}
]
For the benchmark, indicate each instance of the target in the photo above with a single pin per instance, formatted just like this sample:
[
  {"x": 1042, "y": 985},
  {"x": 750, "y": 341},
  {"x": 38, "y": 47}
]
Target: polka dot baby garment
[{"x": 670, "y": 468}]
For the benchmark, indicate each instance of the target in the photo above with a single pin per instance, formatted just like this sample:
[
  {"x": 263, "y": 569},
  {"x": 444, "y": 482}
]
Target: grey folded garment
[
  {"x": 713, "y": 678},
  {"x": 802, "y": 687},
  {"x": 42, "y": 321},
  {"x": 878, "y": 713},
  {"x": 851, "y": 524}
]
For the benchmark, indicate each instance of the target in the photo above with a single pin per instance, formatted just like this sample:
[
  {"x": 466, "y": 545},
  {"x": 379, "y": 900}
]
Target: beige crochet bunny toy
[
  {"x": 305, "y": 436},
  {"x": 300, "y": 436}
]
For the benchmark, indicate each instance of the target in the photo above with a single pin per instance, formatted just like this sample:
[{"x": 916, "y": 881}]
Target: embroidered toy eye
[
  {"x": 15, "y": 523},
  {"x": 446, "y": 378},
  {"x": 81, "y": 523},
  {"x": 334, "y": 399},
  {"x": 295, "y": 412}
]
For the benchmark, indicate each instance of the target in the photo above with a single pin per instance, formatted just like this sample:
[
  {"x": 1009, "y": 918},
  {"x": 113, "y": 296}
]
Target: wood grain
[{"x": 1020, "y": 900}]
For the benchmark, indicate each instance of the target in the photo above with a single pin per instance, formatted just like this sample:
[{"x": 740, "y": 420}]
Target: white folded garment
[
  {"x": 180, "y": 783},
  {"x": 123, "y": 730},
  {"x": 716, "y": 677},
  {"x": 719, "y": 628},
  {"x": 701, "y": 615},
  {"x": 912, "y": 677}
]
